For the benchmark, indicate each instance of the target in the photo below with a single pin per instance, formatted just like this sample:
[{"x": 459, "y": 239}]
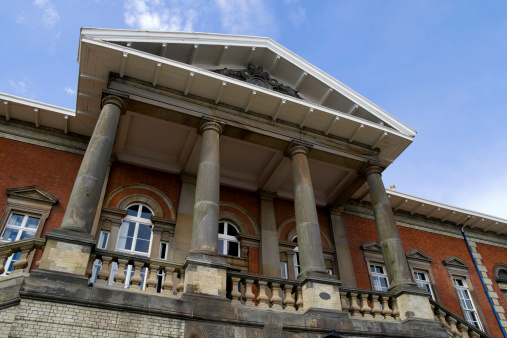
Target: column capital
[
  {"x": 266, "y": 195},
  {"x": 335, "y": 210},
  {"x": 372, "y": 169},
  {"x": 207, "y": 125},
  {"x": 187, "y": 177},
  {"x": 120, "y": 102},
  {"x": 297, "y": 149}
]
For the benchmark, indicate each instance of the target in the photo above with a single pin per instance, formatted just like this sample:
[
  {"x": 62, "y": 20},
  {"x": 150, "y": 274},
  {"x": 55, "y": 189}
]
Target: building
[{"x": 213, "y": 185}]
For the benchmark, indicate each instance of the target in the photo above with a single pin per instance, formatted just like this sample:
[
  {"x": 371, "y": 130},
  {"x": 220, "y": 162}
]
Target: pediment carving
[
  {"x": 418, "y": 255},
  {"x": 256, "y": 75},
  {"x": 455, "y": 262},
  {"x": 32, "y": 193},
  {"x": 372, "y": 246}
]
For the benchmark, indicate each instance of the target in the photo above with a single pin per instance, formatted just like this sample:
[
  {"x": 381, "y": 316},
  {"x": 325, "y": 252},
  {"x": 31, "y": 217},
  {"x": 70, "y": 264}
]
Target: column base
[
  {"x": 205, "y": 274},
  {"x": 413, "y": 301},
  {"x": 320, "y": 291},
  {"x": 67, "y": 251}
]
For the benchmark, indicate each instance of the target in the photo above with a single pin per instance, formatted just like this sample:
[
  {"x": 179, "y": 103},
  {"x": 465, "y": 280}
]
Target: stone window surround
[
  {"x": 29, "y": 200},
  {"x": 456, "y": 267},
  {"x": 417, "y": 260}
]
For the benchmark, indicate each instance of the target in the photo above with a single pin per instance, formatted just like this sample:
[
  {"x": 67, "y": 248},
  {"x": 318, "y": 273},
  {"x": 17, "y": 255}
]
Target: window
[
  {"x": 283, "y": 269},
  {"x": 129, "y": 273},
  {"x": 162, "y": 253},
  {"x": 97, "y": 264},
  {"x": 228, "y": 244},
  {"x": 297, "y": 264},
  {"x": 467, "y": 304},
  {"x": 379, "y": 277},
  {"x": 423, "y": 281},
  {"x": 136, "y": 230},
  {"x": 19, "y": 226}
]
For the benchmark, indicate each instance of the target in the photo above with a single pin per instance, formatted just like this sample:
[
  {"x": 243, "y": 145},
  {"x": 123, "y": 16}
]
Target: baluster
[
  {"x": 152, "y": 280},
  {"x": 262, "y": 298},
  {"x": 136, "y": 279},
  {"x": 299, "y": 298},
  {"x": 441, "y": 319},
  {"x": 236, "y": 295},
  {"x": 249, "y": 295},
  {"x": 105, "y": 270},
  {"x": 242, "y": 291},
  {"x": 376, "y": 311},
  {"x": 473, "y": 334},
  {"x": 167, "y": 285},
  {"x": 89, "y": 267},
  {"x": 343, "y": 300},
  {"x": 452, "y": 324},
  {"x": 396, "y": 309},
  {"x": 365, "y": 308},
  {"x": 463, "y": 329},
  {"x": 21, "y": 264},
  {"x": 288, "y": 301},
  {"x": 4, "y": 256},
  {"x": 354, "y": 309},
  {"x": 275, "y": 300},
  {"x": 181, "y": 285},
  {"x": 386, "y": 311},
  {"x": 119, "y": 276}
]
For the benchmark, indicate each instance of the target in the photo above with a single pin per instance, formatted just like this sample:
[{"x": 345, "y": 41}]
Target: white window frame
[
  {"x": 424, "y": 283},
  {"x": 283, "y": 270},
  {"x": 377, "y": 276},
  {"x": 22, "y": 229},
  {"x": 228, "y": 239},
  {"x": 137, "y": 220},
  {"x": 464, "y": 296}
]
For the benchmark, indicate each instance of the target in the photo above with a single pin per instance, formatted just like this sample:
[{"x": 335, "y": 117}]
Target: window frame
[
  {"x": 228, "y": 238},
  {"x": 378, "y": 275},
  {"x": 465, "y": 287},
  {"x": 137, "y": 220}
]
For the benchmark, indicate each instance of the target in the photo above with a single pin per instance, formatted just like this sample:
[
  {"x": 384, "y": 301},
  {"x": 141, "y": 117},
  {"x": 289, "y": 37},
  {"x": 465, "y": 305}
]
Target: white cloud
[
  {"x": 19, "y": 88},
  {"x": 50, "y": 14},
  {"x": 246, "y": 16},
  {"x": 153, "y": 15},
  {"x": 21, "y": 19},
  {"x": 297, "y": 14},
  {"x": 70, "y": 91}
]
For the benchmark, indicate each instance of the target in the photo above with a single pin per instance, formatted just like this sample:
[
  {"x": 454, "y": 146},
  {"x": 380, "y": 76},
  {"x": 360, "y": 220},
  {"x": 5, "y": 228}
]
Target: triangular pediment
[
  {"x": 455, "y": 262},
  {"x": 418, "y": 255},
  {"x": 372, "y": 246},
  {"x": 33, "y": 193}
]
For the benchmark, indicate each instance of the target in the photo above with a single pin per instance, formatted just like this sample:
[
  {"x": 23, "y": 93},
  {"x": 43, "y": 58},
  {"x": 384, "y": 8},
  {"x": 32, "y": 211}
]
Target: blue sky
[{"x": 438, "y": 66}]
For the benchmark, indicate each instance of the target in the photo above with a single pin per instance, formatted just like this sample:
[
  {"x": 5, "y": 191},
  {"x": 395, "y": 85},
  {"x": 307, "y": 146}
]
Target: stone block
[
  {"x": 321, "y": 296},
  {"x": 414, "y": 306}
]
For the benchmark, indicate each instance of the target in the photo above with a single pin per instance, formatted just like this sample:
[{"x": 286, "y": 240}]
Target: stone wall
[{"x": 33, "y": 318}]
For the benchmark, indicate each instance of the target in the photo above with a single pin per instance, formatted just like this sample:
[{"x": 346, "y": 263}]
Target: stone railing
[
  {"x": 109, "y": 268},
  {"x": 265, "y": 292},
  {"x": 455, "y": 325},
  {"x": 24, "y": 248},
  {"x": 369, "y": 304}
]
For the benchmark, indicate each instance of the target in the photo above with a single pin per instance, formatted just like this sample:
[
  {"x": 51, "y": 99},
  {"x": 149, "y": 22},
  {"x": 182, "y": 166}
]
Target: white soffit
[
  {"x": 443, "y": 212},
  {"x": 102, "y": 52}
]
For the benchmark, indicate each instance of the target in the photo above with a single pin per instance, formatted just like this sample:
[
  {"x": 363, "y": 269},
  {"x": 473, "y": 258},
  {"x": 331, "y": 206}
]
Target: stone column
[
  {"x": 343, "y": 257},
  {"x": 307, "y": 224},
  {"x": 68, "y": 247},
  {"x": 205, "y": 222},
  {"x": 412, "y": 300},
  {"x": 270, "y": 252},
  {"x": 85, "y": 196}
]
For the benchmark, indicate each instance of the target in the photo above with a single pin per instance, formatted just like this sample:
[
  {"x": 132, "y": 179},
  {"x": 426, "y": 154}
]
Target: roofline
[
  {"x": 37, "y": 104},
  {"x": 471, "y": 213},
  {"x": 251, "y": 41}
]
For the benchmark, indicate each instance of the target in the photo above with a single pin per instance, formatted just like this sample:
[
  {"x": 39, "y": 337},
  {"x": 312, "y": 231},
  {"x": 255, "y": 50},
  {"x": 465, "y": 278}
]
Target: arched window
[
  {"x": 296, "y": 258},
  {"x": 228, "y": 244},
  {"x": 136, "y": 230}
]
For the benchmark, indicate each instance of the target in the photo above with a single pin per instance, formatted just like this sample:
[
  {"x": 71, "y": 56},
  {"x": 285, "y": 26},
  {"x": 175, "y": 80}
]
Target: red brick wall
[
  {"x": 122, "y": 174},
  {"x": 439, "y": 247},
  {"x": 246, "y": 200},
  {"x": 23, "y": 164}
]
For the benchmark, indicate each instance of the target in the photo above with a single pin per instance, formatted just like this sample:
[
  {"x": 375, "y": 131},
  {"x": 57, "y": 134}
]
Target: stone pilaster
[
  {"x": 68, "y": 248},
  {"x": 412, "y": 301},
  {"x": 270, "y": 252},
  {"x": 307, "y": 224},
  {"x": 343, "y": 257},
  {"x": 183, "y": 229}
]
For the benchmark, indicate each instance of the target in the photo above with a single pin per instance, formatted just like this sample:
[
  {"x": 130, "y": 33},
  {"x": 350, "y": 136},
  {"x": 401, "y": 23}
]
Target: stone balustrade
[
  {"x": 369, "y": 304},
  {"x": 455, "y": 325},
  {"x": 265, "y": 292},
  {"x": 117, "y": 269},
  {"x": 20, "y": 262}
]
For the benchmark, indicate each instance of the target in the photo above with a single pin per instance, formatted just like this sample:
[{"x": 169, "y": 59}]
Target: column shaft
[
  {"x": 307, "y": 224},
  {"x": 344, "y": 259},
  {"x": 85, "y": 196},
  {"x": 205, "y": 221},
  {"x": 389, "y": 237}
]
